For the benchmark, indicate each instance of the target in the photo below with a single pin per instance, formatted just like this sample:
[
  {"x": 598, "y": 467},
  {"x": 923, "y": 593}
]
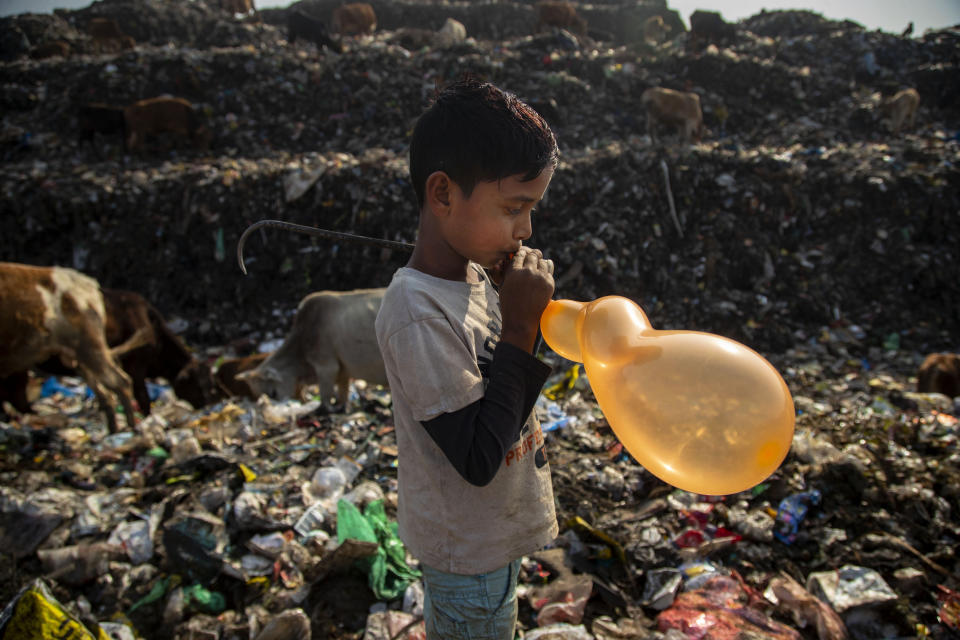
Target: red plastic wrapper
[
  {"x": 949, "y": 611},
  {"x": 721, "y": 609}
]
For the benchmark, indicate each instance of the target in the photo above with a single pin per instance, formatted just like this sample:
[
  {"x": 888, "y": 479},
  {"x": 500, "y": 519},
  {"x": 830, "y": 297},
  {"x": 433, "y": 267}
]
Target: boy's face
[{"x": 495, "y": 220}]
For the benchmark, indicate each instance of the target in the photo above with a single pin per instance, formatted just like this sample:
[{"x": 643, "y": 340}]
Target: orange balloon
[{"x": 701, "y": 412}]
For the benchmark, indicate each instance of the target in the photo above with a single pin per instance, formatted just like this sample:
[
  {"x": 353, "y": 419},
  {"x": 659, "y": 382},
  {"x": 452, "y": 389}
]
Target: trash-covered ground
[
  {"x": 800, "y": 226},
  {"x": 799, "y": 209},
  {"x": 217, "y": 520}
]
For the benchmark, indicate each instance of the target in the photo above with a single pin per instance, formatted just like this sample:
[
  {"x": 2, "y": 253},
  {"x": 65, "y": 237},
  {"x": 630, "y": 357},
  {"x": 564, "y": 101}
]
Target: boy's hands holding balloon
[{"x": 526, "y": 289}]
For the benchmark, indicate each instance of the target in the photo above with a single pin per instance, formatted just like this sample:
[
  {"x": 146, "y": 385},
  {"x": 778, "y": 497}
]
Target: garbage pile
[
  {"x": 800, "y": 226},
  {"x": 799, "y": 208},
  {"x": 266, "y": 519}
]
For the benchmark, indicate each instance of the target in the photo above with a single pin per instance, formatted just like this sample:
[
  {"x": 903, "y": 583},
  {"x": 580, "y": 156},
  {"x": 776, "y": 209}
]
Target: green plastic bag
[
  {"x": 387, "y": 569},
  {"x": 199, "y": 598}
]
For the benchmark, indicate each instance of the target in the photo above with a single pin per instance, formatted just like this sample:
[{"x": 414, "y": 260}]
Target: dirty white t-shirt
[{"x": 437, "y": 337}]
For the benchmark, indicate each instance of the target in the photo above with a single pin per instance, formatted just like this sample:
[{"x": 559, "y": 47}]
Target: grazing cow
[
  {"x": 97, "y": 117},
  {"x": 332, "y": 340},
  {"x": 674, "y": 108},
  {"x": 559, "y": 14},
  {"x": 50, "y": 49},
  {"x": 654, "y": 30},
  {"x": 940, "y": 373},
  {"x": 162, "y": 355},
  {"x": 901, "y": 108},
  {"x": 353, "y": 19},
  {"x": 54, "y": 311},
  {"x": 145, "y": 347},
  {"x": 164, "y": 115},
  {"x": 709, "y": 26},
  {"x": 229, "y": 369},
  {"x": 451, "y": 33},
  {"x": 306, "y": 27}
]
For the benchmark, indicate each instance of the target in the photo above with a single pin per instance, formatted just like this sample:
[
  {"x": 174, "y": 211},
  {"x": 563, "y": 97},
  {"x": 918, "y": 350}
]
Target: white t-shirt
[{"x": 436, "y": 336}]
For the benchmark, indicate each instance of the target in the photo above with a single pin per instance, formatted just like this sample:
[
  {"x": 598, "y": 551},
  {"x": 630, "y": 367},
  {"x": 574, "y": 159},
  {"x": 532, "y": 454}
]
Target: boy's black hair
[{"x": 477, "y": 132}]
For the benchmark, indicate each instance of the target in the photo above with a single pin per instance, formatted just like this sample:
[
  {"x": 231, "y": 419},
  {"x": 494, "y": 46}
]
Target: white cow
[{"x": 332, "y": 341}]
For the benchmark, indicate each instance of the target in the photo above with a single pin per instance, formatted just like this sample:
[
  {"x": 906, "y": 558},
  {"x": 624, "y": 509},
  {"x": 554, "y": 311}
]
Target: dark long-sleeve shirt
[{"x": 475, "y": 439}]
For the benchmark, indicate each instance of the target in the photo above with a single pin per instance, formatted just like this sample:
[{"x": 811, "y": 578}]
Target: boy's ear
[{"x": 438, "y": 191}]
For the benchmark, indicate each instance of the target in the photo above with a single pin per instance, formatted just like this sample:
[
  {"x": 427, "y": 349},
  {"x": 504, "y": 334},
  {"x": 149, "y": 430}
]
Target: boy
[{"x": 474, "y": 485}]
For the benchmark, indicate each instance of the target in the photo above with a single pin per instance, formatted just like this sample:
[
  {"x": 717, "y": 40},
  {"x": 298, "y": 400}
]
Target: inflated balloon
[{"x": 701, "y": 412}]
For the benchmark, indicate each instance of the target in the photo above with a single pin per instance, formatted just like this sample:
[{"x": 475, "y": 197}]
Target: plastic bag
[
  {"x": 35, "y": 613},
  {"x": 791, "y": 512},
  {"x": 387, "y": 569}
]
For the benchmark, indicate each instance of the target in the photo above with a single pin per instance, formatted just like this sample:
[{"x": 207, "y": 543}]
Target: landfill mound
[
  {"x": 800, "y": 208},
  {"x": 800, "y": 226}
]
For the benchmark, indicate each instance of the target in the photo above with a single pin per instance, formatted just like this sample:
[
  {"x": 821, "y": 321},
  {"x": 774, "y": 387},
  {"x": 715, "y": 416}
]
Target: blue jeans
[{"x": 479, "y": 607}]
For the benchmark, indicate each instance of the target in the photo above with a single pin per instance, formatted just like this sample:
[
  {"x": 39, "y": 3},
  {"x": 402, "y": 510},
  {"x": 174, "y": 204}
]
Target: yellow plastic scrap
[
  {"x": 559, "y": 389},
  {"x": 579, "y": 523},
  {"x": 37, "y": 614},
  {"x": 248, "y": 473},
  {"x": 259, "y": 585}
]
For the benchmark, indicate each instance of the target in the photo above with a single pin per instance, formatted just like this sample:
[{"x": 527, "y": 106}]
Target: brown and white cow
[
  {"x": 164, "y": 115},
  {"x": 139, "y": 339},
  {"x": 940, "y": 373},
  {"x": 563, "y": 15},
  {"x": 354, "y": 19},
  {"x": 901, "y": 108},
  {"x": 674, "y": 108},
  {"x": 332, "y": 341},
  {"x": 55, "y": 311}
]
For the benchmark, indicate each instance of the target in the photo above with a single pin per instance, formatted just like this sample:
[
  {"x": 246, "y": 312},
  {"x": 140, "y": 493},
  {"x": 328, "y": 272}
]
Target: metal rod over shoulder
[{"x": 313, "y": 231}]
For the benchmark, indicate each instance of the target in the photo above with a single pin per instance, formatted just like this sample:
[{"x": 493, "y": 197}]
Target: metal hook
[{"x": 313, "y": 231}]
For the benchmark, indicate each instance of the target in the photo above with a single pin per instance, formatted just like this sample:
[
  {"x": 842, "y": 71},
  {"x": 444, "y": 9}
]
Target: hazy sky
[{"x": 889, "y": 15}]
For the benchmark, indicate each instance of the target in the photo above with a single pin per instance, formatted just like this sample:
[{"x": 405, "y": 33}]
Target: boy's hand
[{"x": 527, "y": 288}]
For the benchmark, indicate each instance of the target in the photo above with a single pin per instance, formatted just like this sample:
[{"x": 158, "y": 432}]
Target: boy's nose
[{"x": 524, "y": 228}]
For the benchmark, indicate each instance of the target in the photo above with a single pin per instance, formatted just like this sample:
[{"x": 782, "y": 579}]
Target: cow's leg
[
  {"x": 13, "y": 389},
  {"x": 140, "y": 394},
  {"x": 343, "y": 388},
  {"x": 104, "y": 397},
  {"x": 106, "y": 378},
  {"x": 326, "y": 377},
  {"x": 119, "y": 383}
]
